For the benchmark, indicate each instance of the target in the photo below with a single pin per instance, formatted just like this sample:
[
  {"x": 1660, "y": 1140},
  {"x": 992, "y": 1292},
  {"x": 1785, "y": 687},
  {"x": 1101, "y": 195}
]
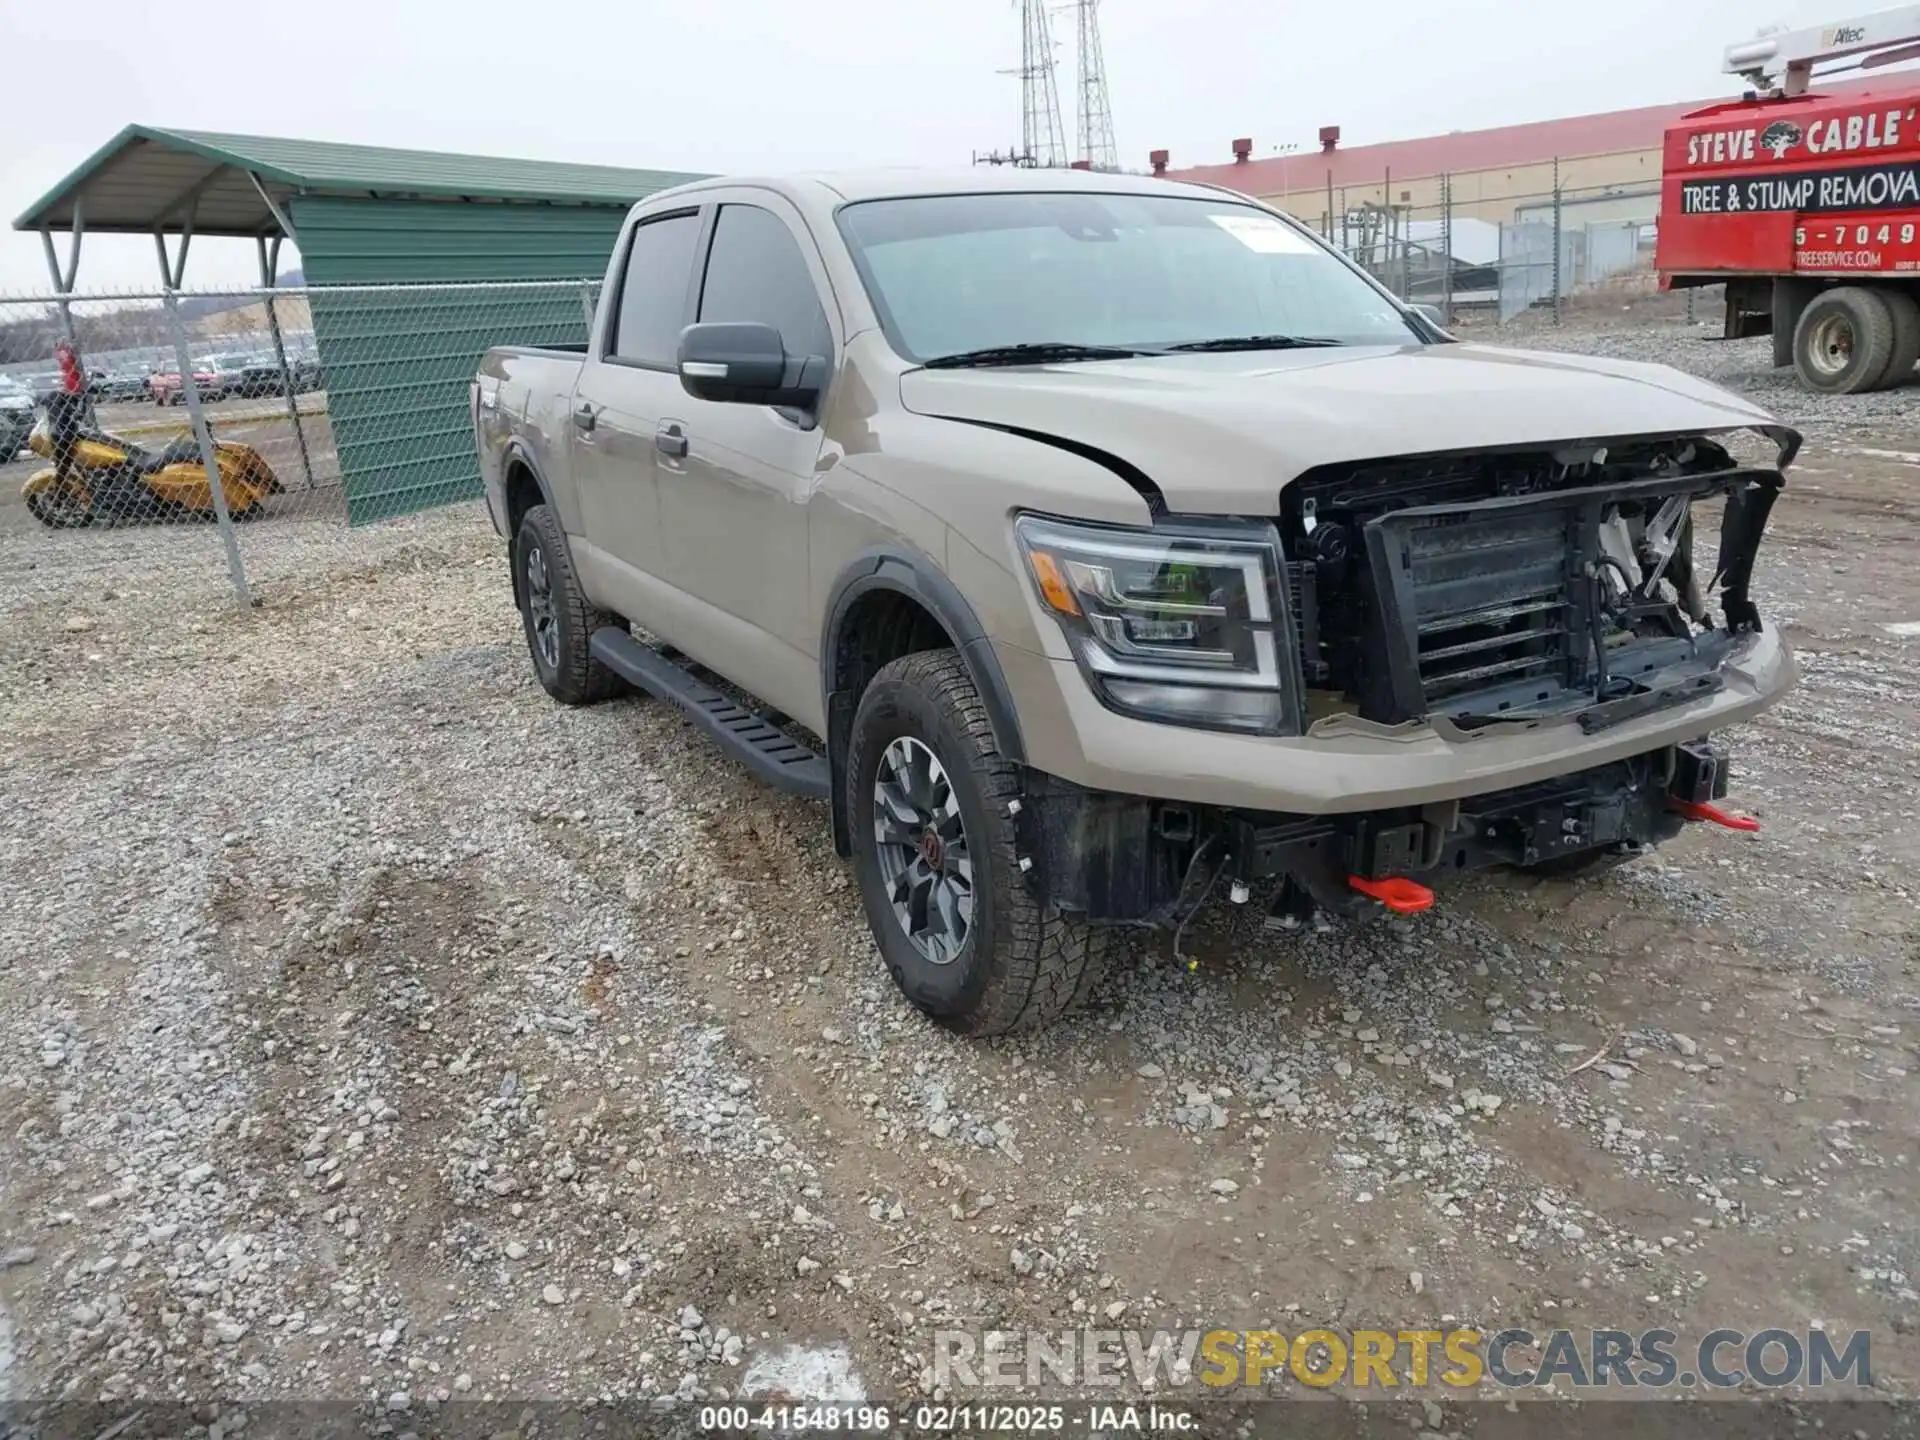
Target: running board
[{"x": 768, "y": 751}]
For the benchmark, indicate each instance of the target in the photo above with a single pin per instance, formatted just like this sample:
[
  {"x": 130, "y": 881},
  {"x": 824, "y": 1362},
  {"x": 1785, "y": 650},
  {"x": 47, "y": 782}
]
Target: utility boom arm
[{"x": 1784, "y": 63}]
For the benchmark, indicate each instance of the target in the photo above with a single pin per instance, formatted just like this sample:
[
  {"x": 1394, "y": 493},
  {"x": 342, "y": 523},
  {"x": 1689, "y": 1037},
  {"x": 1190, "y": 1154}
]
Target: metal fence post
[
  {"x": 586, "y": 307},
  {"x": 270, "y": 281},
  {"x": 1392, "y": 229},
  {"x": 1556, "y": 239},
  {"x": 287, "y": 383},
  {"x": 1446, "y": 247},
  {"x": 1406, "y": 257},
  {"x": 208, "y": 456}
]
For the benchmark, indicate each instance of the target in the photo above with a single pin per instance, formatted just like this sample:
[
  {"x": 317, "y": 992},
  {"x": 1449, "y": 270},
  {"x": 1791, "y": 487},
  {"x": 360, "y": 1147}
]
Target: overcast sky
[{"x": 718, "y": 85}]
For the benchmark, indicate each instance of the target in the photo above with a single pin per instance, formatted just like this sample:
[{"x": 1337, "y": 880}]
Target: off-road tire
[
  {"x": 1844, "y": 341},
  {"x": 1906, "y": 336},
  {"x": 575, "y": 677},
  {"x": 1021, "y": 967}
]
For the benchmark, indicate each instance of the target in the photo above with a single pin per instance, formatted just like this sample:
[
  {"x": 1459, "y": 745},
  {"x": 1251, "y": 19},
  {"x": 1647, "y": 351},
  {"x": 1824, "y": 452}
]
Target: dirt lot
[{"x": 373, "y": 1028}]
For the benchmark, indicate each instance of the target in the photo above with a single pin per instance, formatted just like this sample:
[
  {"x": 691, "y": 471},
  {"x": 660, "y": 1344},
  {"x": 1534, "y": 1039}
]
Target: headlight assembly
[{"x": 1183, "y": 625}]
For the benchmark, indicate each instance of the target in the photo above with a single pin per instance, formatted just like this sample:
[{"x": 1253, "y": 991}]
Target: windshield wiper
[
  {"x": 1038, "y": 353},
  {"x": 1258, "y": 342}
]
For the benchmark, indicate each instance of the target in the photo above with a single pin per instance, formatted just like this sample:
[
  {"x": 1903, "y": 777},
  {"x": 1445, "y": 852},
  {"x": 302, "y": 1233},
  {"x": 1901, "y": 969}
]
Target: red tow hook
[
  {"x": 1396, "y": 892},
  {"x": 1696, "y": 810}
]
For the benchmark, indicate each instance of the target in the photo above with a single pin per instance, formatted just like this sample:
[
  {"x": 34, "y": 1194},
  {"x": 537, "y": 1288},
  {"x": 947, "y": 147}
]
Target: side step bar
[{"x": 769, "y": 752}]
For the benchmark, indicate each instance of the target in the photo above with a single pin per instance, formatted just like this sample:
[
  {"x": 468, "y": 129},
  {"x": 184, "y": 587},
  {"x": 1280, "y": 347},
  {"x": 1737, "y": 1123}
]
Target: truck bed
[{"x": 524, "y": 394}]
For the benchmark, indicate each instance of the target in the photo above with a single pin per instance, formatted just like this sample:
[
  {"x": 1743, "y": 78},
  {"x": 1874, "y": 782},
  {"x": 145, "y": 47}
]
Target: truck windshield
[{"x": 953, "y": 274}]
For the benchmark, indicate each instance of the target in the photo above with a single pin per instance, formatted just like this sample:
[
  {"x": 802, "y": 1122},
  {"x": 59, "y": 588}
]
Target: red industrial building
[{"x": 1608, "y": 169}]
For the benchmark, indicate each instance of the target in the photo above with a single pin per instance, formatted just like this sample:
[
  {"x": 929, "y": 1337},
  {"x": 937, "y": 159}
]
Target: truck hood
[{"x": 1223, "y": 434}]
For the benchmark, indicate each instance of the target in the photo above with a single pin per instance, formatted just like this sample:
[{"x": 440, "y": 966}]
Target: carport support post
[
  {"x": 63, "y": 278},
  {"x": 269, "y": 280},
  {"x": 208, "y": 456}
]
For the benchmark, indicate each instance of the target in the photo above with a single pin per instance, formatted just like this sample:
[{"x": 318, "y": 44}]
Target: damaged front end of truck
[{"x": 1570, "y": 590}]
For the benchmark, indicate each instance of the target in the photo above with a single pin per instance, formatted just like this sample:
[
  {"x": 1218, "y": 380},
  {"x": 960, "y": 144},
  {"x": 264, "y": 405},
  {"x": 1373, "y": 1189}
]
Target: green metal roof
[{"x": 147, "y": 177}]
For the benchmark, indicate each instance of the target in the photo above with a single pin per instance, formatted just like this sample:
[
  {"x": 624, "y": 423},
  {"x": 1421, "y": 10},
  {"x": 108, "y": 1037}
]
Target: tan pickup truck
[{"x": 1099, "y": 545}]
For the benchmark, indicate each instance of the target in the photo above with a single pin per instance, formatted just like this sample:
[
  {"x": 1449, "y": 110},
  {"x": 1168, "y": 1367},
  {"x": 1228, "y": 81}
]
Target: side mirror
[
  {"x": 744, "y": 363},
  {"x": 1431, "y": 314}
]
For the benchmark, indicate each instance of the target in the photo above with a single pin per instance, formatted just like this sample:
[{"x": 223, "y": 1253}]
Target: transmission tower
[
  {"x": 1096, "y": 109},
  {"x": 1042, "y": 136}
]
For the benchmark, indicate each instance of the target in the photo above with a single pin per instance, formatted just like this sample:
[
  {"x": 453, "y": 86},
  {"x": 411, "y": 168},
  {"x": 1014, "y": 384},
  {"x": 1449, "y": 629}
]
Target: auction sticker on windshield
[{"x": 1263, "y": 233}]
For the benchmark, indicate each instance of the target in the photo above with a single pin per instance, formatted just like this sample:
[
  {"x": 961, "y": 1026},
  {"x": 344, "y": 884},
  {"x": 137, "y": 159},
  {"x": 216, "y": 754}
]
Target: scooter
[{"x": 96, "y": 475}]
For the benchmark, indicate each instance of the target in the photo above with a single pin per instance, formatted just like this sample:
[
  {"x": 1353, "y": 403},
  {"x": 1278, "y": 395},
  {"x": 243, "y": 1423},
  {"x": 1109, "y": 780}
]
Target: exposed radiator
[
  {"x": 1481, "y": 606},
  {"x": 1490, "y": 602}
]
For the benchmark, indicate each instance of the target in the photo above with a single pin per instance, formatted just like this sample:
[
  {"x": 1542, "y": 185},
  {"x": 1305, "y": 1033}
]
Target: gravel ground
[{"x": 372, "y": 1028}]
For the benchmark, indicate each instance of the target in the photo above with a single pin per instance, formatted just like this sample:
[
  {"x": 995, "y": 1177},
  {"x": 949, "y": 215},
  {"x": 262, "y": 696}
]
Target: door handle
[
  {"x": 584, "y": 417},
  {"x": 670, "y": 440}
]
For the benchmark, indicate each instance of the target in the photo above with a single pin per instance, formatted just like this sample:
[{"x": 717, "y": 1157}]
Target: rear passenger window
[
  {"x": 755, "y": 271},
  {"x": 653, "y": 290}
]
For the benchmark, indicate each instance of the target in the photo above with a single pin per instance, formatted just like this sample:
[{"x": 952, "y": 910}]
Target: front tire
[
  {"x": 555, "y": 614},
  {"x": 62, "y": 506},
  {"x": 934, "y": 851}
]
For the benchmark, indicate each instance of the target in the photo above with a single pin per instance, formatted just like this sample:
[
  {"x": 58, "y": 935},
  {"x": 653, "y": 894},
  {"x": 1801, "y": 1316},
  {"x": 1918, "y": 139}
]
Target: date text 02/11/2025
[{"x": 947, "y": 1419}]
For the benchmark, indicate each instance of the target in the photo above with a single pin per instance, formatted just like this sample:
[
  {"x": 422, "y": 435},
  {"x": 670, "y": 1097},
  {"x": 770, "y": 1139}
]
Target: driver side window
[{"x": 756, "y": 272}]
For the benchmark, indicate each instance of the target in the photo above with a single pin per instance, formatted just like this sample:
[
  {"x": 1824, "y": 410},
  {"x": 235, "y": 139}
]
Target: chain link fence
[
  {"x": 1492, "y": 259},
  {"x": 253, "y": 408}
]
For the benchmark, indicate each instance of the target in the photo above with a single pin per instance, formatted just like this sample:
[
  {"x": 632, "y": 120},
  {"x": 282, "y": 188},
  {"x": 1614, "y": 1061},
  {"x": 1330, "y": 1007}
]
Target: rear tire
[
  {"x": 1844, "y": 341},
  {"x": 555, "y": 614},
  {"x": 983, "y": 957},
  {"x": 1906, "y": 336}
]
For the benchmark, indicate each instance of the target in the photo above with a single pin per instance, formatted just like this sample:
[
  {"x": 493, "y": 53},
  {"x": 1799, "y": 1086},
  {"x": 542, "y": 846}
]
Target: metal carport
[{"x": 368, "y": 216}]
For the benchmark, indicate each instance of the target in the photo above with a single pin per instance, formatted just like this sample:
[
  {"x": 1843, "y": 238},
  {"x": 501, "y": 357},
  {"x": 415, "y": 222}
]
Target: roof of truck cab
[
  {"x": 891, "y": 184},
  {"x": 841, "y": 186}
]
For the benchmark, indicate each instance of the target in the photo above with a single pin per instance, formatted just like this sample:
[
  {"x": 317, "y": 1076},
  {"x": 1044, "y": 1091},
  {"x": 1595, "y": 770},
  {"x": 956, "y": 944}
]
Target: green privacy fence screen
[
  {"x": 406, "y": 297},
  {"x": 397, "y": 363}
]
